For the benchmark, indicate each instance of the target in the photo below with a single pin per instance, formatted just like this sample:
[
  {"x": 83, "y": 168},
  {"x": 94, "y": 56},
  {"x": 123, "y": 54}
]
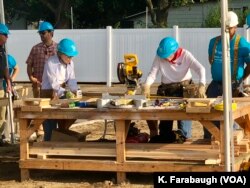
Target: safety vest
[{"x": 236, "y": 53}]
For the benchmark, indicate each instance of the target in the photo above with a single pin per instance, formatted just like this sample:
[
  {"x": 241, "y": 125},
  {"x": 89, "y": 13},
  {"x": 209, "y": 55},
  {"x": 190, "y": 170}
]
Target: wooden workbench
[{"x": 121, "y": 157}]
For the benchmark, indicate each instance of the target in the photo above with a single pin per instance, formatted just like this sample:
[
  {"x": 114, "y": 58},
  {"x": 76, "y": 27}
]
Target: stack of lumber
[
  {"x": 241, "y": 143},
  {"x": 202, "y": 153}
]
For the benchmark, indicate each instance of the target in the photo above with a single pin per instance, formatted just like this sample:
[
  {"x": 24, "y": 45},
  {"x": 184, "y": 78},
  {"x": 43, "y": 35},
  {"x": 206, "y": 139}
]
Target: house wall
[
  {"x": 19, "y": 23},
  {"x": 100, "y": 50},
  {"x": 191, "y": 16}
]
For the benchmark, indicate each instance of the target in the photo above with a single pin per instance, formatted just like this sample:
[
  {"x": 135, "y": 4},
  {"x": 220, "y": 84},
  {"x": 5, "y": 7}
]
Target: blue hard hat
[
  {"x": 248, "y": 21},
  {"x": 167, "y": 47},
  {"x": 4, "y": 29},
  {"x": 11, "y": 61},
  {"x": 67, "y": 47},
  {"x": 45, "y": 26}
]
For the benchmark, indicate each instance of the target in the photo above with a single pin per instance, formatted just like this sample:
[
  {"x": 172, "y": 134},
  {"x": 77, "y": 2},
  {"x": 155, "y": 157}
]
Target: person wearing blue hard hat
[
  {"x": 39, "y": 54},
  {"x": 61, "y": 67},
  {"x": 174, "y": 64},
  {"x": 13, "y": 69},
  {"x": 45, "y": 26},
  {"x": 4, "y": 75},
  {"x": 58, "y": 76},
  {"x": 4, "y": 30},
  {"x": 36, "y": 60}
]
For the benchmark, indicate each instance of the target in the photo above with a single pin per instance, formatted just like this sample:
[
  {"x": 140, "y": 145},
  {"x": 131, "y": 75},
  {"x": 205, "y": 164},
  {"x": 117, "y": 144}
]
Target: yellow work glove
[
  {"x": 146, "y": 90},
  {"x": 202, "y": 91}
]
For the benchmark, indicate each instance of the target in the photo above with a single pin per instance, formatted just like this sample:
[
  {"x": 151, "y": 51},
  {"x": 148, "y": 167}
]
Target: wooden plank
[
  {"x": 244, "y": 147},
  {"x": 107, "y": 152},
  {"x": 222, "y": 142},
  {"x": 241, "y": 99},
  {"x": 41, "y": 156},
  {"x": 120, "y": 147},
  {"x": 238, "y": 136},
  {"x": 36, "y": 99},
  {"x": 247, "y": 124},
  {"x": 212, "y": 161},
  {"x": 4, "y": 101},
  {"x": 24, "y": 147},
  {"x": 132, "y": 151},
  {"x": 35, "y": 104},
  {"x": 128, "y": 166},
  {"x": 191, "y": 109},
  {"x": 24, "y": 174},
  {"x": 31, "y": 108},
  {"x": 212, "y": 129},
  {"x": 199, "y": 105},
  {"x": 142, "y": 146},
  {"x": 33, "y": 126}
]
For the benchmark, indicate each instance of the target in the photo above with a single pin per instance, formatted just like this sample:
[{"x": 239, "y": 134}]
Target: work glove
[
  {"x": 202, "y": 91},
  {"x": 146, "y": 90}
]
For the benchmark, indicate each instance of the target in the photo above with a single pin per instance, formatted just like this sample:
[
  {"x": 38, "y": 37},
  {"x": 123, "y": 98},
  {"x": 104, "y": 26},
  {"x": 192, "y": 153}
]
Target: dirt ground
[{"x": 9, "y": 156}]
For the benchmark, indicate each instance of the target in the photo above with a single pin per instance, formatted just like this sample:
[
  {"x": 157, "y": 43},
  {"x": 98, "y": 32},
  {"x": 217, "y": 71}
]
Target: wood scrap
[
  {"x": 198, "y": 105},
  {"x": 35, "y": 104}
]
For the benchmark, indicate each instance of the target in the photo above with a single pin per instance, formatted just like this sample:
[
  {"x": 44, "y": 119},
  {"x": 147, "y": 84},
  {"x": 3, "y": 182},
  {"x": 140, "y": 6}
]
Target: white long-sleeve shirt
[
  {"x": 56, "y": 73},
  {"x": 180, "y": 71}
]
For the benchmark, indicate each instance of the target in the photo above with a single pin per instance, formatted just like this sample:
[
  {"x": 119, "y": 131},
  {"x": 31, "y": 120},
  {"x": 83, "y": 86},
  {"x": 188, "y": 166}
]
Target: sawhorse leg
[
  {"x": 121, "y": 132},
  {"x": 24, "y": 148}
]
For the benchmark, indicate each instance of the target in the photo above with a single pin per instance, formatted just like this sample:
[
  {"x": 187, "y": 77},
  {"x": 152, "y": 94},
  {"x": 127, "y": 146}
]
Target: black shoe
[
  {"x": 175, "y": 136},
  {"x": 4, "y": 143}
]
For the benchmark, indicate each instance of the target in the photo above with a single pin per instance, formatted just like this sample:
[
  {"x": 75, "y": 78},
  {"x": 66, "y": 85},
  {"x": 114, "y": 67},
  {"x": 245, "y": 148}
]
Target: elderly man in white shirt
[
  {"x": 175, "y": 65},
  {"x": 58, "y": 73}
]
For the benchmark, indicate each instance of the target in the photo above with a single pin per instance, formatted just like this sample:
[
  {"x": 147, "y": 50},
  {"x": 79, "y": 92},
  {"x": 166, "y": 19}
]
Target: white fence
[{"x": 101, "y": 49}]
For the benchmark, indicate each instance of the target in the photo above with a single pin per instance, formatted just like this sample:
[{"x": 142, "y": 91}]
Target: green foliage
[
  {"x": 86, "y": 13},
  {"x": 100, "y": 13},
  {"x": 213, "y": 18}
]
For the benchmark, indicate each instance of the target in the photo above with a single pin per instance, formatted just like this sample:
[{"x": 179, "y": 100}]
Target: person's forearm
[
  {"x": 15, "y": 72},
  {"x": 31, "y": 77},
  {"x": 13, "y": 76}
]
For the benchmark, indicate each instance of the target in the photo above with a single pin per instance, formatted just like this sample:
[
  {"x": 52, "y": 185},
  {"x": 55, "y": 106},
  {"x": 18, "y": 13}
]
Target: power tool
[{"x": 128, "y": 73}]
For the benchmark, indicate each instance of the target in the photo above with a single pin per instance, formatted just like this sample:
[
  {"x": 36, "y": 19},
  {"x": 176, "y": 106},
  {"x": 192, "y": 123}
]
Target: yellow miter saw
[{"x": 128, "y": 73}]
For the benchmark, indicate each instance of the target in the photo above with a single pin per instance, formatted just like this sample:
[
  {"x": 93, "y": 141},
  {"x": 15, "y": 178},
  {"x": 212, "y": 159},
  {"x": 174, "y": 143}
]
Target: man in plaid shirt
[{"x": 37, "y": 58}]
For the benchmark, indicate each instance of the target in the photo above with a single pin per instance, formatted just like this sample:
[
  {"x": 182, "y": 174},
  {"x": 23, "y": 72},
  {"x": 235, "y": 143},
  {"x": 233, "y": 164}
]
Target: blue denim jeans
[
  {"x": 48, "y": 126},
  {"x": 166, "y": 127}
]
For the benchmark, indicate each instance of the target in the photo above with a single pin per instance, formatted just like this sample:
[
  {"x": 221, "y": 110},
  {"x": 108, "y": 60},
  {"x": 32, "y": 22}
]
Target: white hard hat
[{"x": 232, "y": 19}]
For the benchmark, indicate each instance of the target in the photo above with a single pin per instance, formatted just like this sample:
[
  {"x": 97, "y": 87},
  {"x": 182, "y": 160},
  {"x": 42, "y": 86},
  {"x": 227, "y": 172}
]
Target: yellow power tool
[{"x": 128, "y": 73}]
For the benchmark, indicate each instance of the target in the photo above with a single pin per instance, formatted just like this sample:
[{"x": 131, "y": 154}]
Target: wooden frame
[{"x": 121, "y": 157}]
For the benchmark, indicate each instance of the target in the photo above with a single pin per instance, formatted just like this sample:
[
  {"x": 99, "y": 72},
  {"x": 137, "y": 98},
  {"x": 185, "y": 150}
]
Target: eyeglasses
[
  {"x": 6, "y": 35},
  {"x": 70, "y": 57},
  {"x": 42, "y": 32}
]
